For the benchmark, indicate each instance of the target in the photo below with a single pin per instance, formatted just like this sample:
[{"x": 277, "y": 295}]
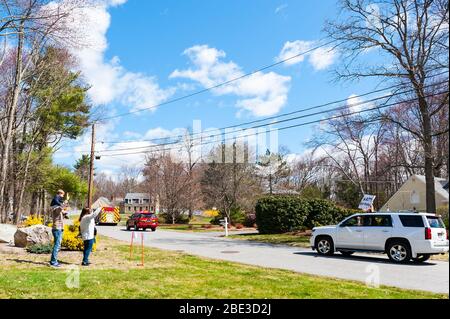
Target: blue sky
[{"x": 147, "y": 52}]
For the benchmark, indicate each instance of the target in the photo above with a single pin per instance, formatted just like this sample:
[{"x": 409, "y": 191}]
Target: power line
[
  {"x": 279, "y": 129},
  {"x": 272, "y": 117},
  {"x": 252, "y": 122},
  {"x": 268, "y": 124},
  {"x": 220, "y": 84}
]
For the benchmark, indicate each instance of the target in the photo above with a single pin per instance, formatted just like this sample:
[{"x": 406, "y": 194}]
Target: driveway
[{"x": 431, "y": 276}]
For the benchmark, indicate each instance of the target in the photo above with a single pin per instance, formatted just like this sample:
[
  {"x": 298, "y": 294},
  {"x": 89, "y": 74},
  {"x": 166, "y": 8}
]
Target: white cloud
[
  {"x": 161, "y": 133},
  {"x": 320, "y": 58},
  {"x": 262, "y": 94},
  {"x": 109, "y": 80},
  {"x": 291, "y": 49},
  {"x": 354, "y": 103},
  {"x": 281, "y": 8}
]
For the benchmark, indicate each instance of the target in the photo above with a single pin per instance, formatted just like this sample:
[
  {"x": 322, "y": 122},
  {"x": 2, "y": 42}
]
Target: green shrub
[
  {"x": 40, "y": 249},
  {"x": 281, "y": 214},
  {"x": 237, "y": 216},
  {"x": 322, "y": 213},
  {"x": 180, "y": 219},
  {"x": 250, "y": 220},
  {"x": 443, "y": 211}
]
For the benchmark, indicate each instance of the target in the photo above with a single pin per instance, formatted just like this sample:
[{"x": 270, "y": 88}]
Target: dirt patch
[{"x": 8, "y": 249}]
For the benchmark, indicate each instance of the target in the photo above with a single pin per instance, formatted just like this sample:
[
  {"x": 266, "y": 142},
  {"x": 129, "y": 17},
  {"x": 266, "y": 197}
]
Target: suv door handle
[
  {"x": 386, "y": 231},
  {"x": 358, "y": 231}
]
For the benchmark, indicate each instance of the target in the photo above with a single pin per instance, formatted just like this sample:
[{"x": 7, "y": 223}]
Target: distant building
[
  {"x": 101, "y": 202},
  {"x": 138, "y": 202},
  {"x": 412, "y": 195}
]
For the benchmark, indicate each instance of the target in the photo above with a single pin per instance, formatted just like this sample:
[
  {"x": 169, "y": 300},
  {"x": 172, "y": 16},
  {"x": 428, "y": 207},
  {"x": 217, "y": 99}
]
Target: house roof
[
  {"x": 137, "y": 196},
  {"x": 101, "y": 202},
  {"x": 439, "y": 184}
]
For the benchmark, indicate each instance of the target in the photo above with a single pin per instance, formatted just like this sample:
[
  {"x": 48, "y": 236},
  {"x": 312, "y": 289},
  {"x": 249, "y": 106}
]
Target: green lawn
[
  {"x": 291, "y": 239},
  {"x": 172, "y": 275}
]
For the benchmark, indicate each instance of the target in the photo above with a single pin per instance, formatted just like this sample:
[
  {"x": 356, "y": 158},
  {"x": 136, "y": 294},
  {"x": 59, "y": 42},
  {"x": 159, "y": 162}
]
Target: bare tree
[
  {"x": 129, "y": 179},
  {"x": 411, "y": 40},
  {"x": 230, "y": 185},
  {"x": 192, "y": 161},
  {"x": 306, "y": 171},
  {"x": 167, "y": 179}
]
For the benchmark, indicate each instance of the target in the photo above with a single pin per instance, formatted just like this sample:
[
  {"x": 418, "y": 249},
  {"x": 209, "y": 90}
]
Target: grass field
[
  {"x": 291, "y": 239},
  {"x": 170, "y": 275}
]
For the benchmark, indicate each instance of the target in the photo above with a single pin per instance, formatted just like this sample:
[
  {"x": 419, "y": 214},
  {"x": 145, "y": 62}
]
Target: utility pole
[{"x": 91, "y": 169}]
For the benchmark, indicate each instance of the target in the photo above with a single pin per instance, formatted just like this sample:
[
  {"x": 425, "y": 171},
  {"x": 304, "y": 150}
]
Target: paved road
[{"x": 432, "y": 276}]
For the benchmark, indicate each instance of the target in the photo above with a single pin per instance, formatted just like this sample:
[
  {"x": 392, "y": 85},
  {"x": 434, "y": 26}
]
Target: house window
[{"x": 415, "y": 197}]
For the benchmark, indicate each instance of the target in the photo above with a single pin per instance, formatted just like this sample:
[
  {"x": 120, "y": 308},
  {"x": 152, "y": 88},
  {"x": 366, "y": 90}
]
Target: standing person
[
  {"x": 57, "y": 213},
  {"x": 87, "y": 230}
]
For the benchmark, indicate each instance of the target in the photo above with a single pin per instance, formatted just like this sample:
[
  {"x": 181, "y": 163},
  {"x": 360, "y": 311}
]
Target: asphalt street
[{"x": 431, "y": 276}]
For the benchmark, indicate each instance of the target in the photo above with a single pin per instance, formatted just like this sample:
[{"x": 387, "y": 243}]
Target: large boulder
[
  {"x": 7, "y": 233},
  {"x": 34, "y": 235}
]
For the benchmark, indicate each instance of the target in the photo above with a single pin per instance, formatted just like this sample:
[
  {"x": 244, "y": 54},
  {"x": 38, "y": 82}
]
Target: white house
[{"x": 412, "y": 195}]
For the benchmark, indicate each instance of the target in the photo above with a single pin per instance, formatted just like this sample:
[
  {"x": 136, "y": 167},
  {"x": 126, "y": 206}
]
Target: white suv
[{"x": 402, "y": 236}]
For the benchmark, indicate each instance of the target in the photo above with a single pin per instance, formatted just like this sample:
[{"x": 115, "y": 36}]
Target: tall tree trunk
[
  {"x": 429, "y": 160},
  {"x": 22, "y": 188},
  {"x": 11, "y": 116}
]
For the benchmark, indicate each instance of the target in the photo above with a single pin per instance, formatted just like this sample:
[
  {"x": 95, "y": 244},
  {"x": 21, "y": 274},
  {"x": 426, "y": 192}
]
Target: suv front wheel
[
  {"x": 325, "y": 246},
  {"x": 399, "y": 252}
]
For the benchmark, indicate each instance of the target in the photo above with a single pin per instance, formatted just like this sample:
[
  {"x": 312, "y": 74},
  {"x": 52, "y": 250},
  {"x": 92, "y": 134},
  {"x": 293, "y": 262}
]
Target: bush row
[
  {"x": 281, "y": 214},
  {"x": 71, "y": 240}
]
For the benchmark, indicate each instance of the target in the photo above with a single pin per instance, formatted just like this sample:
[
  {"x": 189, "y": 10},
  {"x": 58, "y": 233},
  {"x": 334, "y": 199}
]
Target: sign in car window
[{"x": 367, "y": 202}]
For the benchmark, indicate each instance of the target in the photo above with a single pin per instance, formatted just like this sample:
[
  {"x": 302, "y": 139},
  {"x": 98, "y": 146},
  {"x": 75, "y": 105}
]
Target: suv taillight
[{"x": 428, "y": 235}]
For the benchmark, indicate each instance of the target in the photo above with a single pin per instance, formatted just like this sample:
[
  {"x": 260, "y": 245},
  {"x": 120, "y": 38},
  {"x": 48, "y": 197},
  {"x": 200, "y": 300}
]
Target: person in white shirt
[{"x": 87, "y": 230}]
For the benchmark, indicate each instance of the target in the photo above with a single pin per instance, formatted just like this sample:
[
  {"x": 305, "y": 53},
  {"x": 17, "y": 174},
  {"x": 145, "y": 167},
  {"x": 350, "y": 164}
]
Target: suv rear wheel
[
  {"x": 399, "y": 252},
  {"x": 325, "y": 246}
]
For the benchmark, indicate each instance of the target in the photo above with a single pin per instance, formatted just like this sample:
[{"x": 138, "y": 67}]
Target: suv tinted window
[
  {"x": 411, "y": 221},
  {"x": 356, "y": 221},
  {"x": 378, "y": 221},
  {"x": 435, "y": 222}
]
